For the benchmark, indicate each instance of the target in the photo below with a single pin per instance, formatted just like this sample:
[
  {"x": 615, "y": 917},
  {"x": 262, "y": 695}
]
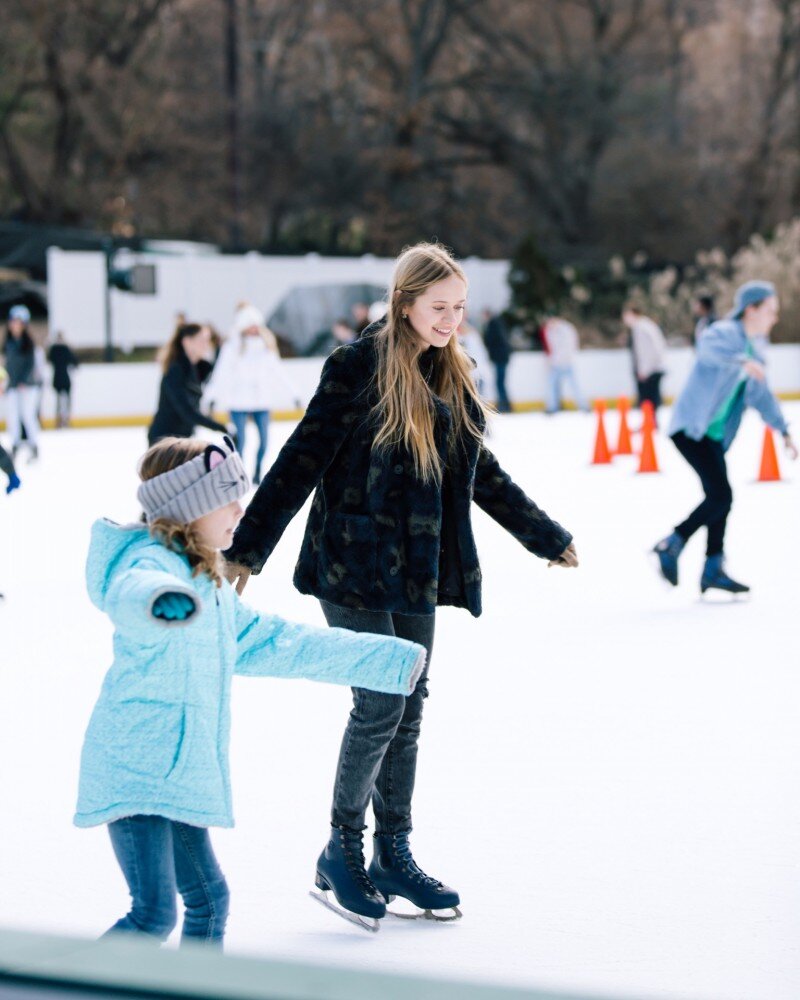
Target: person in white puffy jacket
[{"x": 249, "y": 380}]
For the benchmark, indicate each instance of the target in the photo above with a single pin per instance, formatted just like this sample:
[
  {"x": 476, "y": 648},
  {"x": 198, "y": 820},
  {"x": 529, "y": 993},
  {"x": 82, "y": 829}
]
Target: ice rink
[{"x": 609, "y": 768}]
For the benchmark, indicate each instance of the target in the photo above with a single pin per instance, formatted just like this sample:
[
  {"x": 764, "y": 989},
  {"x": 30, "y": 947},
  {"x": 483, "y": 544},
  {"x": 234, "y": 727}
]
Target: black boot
[
  {"x": 341, "y": 869},
  {"x": 395, "y": 872},
  {"x": 714, "y": 577}
]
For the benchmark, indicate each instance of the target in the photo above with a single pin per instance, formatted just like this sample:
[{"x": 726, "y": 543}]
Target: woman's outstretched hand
[
  {"x": 791, "y": 447},
  {"x": 567, "y": 559},
  {"x": 237, "y": 575}
]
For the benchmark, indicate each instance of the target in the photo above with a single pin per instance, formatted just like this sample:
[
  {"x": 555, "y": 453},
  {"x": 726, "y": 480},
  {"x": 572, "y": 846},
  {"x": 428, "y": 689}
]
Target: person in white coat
[
  {"x": 649, "y": 349},
  {"x": 249, "y": 380},
  {"x": 562, "y": 344}
]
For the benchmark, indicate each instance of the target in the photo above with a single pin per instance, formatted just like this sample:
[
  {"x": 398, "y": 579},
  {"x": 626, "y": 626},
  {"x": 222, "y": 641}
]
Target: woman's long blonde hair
[
  {"x": 167, "y": 454},
  {"x": 405, "y": 408}
]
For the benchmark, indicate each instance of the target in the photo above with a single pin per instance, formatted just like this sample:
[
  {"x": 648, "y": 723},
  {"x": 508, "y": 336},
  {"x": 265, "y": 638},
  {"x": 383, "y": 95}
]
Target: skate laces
[
  {"x": 353, "y": 849},
  {"x": 402, "y": 850}
]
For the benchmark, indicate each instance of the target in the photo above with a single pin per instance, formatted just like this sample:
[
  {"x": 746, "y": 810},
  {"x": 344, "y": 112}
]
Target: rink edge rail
[
  {"x": 143, "y": 420},
  {"x": 44, "y": 967}
]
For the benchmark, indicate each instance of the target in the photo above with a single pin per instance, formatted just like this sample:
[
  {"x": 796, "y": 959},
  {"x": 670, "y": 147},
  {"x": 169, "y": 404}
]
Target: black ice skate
[
  {"x": 341, "y": 870},
  {"x": 715, "y": 578},
  {"x": 668, "y": 550},
  {"x": 395, "y": 872}
]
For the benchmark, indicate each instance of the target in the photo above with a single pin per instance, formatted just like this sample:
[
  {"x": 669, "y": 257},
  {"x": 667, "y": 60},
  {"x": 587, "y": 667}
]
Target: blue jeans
[
  {"x": 158, "y": 858},
  {"x": 557, "y": 376},
  {"x": 503, "y": 402},
  {"x": 378, "y": 758},
  {"x": 261, "y": 420}
]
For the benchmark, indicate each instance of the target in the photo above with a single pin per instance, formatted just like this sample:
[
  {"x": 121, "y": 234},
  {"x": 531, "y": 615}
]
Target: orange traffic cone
[
  {"x": 648, "y": 461},
  {"x": 602, "y": 455},
  {"x": 624, "y": 446},
  {"x": 770, "y": 471},
  {"x": 648, "y": 416}
]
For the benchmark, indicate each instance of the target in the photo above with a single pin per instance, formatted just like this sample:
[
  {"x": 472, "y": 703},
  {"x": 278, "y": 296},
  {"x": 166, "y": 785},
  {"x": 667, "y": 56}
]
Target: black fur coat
[{"x": 374, "y": 536}]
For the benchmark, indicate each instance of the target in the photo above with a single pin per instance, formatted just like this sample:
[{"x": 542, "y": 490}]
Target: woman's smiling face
[{"x": 436, "y": 313}]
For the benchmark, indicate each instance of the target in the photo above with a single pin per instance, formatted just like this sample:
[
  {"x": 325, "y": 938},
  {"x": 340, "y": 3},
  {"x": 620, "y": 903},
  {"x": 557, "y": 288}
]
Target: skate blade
[
  {"x": 366, "y": 923},
  {"x": 715, "y": 596},
  {"x": 445, "y": 916},
  {"x": 723, "y": 597}
]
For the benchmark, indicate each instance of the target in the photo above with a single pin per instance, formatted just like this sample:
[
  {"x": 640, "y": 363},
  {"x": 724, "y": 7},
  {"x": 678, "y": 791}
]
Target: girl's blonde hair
[
  {"x": 405, "y": 409},
  {"x": 167, "y": 454}
]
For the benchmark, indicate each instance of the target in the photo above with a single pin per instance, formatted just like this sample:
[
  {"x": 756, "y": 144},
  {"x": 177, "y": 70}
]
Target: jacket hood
[{"x": 110, "y": 550}]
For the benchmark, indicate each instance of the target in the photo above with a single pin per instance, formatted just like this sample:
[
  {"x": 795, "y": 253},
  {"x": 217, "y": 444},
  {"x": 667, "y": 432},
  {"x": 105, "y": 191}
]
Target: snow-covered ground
[{"x": 609, "y": 768}]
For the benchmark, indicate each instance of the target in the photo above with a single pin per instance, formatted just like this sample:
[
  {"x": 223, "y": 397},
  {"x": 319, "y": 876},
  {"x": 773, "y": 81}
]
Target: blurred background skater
[
  {"x": 187, "y": 361},
  {"x": 561, "y": 343},
  {"x": 343, "y": 333},
  {"x": 472, "y": 342},
  {"x": 249, "y": 379},
  {"x": 704, "y": 313},
  {"x": 498, "y": 343},
  {"x": 728, "y": 375},
  {"x": 24, "y": 382},
  {"x": 7, "y": 466},
  {"x": 649, "y": 350},
  {"x": 63, "y": 360},
  {"x": 360, "y": 313}
]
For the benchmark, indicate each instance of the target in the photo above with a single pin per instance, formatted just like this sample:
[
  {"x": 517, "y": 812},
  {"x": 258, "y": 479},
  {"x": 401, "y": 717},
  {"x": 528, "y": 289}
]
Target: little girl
[{"x": 154, "y": 765}]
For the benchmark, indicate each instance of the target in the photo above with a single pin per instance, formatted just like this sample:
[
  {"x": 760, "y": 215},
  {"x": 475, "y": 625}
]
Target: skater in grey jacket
[{"x": 729, "y": 374}]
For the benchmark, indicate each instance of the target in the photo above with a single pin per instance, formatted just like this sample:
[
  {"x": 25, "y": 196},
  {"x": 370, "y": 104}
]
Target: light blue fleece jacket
[
  {"x": 721, "y": 353},
  {"x": 157, "y": 740}
]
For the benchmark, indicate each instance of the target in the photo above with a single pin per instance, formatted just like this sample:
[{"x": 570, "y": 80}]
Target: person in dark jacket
[
  {"x": 24, "y": 385},
  {"x": 498, "y": 344},
  {"x": 63, "y": 360},
  {"x": 393, "y": 443},
  {"x": 186, "y": 367}
]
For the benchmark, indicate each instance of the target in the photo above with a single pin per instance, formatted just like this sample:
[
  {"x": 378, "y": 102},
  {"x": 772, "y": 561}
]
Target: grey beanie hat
[
  {"x": 202, "y": 485},
  {"x": 751, "y": 293}
]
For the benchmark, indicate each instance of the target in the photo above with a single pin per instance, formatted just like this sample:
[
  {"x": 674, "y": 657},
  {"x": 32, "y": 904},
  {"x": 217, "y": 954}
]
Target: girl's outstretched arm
[{"x": 269, "y": 646}]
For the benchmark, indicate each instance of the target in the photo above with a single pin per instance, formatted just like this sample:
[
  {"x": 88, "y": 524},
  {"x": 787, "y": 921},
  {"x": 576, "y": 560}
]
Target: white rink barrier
[{"x": 126, "y": 393}]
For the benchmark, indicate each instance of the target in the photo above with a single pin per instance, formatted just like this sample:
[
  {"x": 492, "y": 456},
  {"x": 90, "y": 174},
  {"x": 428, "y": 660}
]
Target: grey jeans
[{"x": 378, "y": 758}]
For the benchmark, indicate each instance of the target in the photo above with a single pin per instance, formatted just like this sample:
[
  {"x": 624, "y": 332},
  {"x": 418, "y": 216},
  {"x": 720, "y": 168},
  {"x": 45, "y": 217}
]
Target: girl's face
[
  {"x": 216, "y": 529},
  {"x": 435, "y": 315},
  {"x": 16, "y": 327},
  {"x": 198, "y": 346}
]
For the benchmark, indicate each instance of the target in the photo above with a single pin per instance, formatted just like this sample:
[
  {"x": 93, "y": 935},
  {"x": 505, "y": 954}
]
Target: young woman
[
  {"x": 154, "y": 766},
  {"x": 728, "y": 375},
  {"x": 186, "y": 367},
  {"x": 24, "y": 382},
  {"x": 393, "y": 441},
  {"x": 248, "y": 378}
]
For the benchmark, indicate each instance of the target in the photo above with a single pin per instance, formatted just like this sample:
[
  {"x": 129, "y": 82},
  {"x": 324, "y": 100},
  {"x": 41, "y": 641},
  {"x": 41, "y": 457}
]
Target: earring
[{"x": 405, "y": 315}]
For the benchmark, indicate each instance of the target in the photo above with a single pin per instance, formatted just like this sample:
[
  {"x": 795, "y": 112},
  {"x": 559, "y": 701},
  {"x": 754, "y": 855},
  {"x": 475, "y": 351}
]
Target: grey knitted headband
[{"x": 199, "y": 486}]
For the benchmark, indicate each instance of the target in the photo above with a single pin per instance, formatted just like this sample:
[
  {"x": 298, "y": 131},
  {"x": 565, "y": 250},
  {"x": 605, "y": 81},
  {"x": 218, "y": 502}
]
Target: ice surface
[{"x": 609, "y": 768}]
